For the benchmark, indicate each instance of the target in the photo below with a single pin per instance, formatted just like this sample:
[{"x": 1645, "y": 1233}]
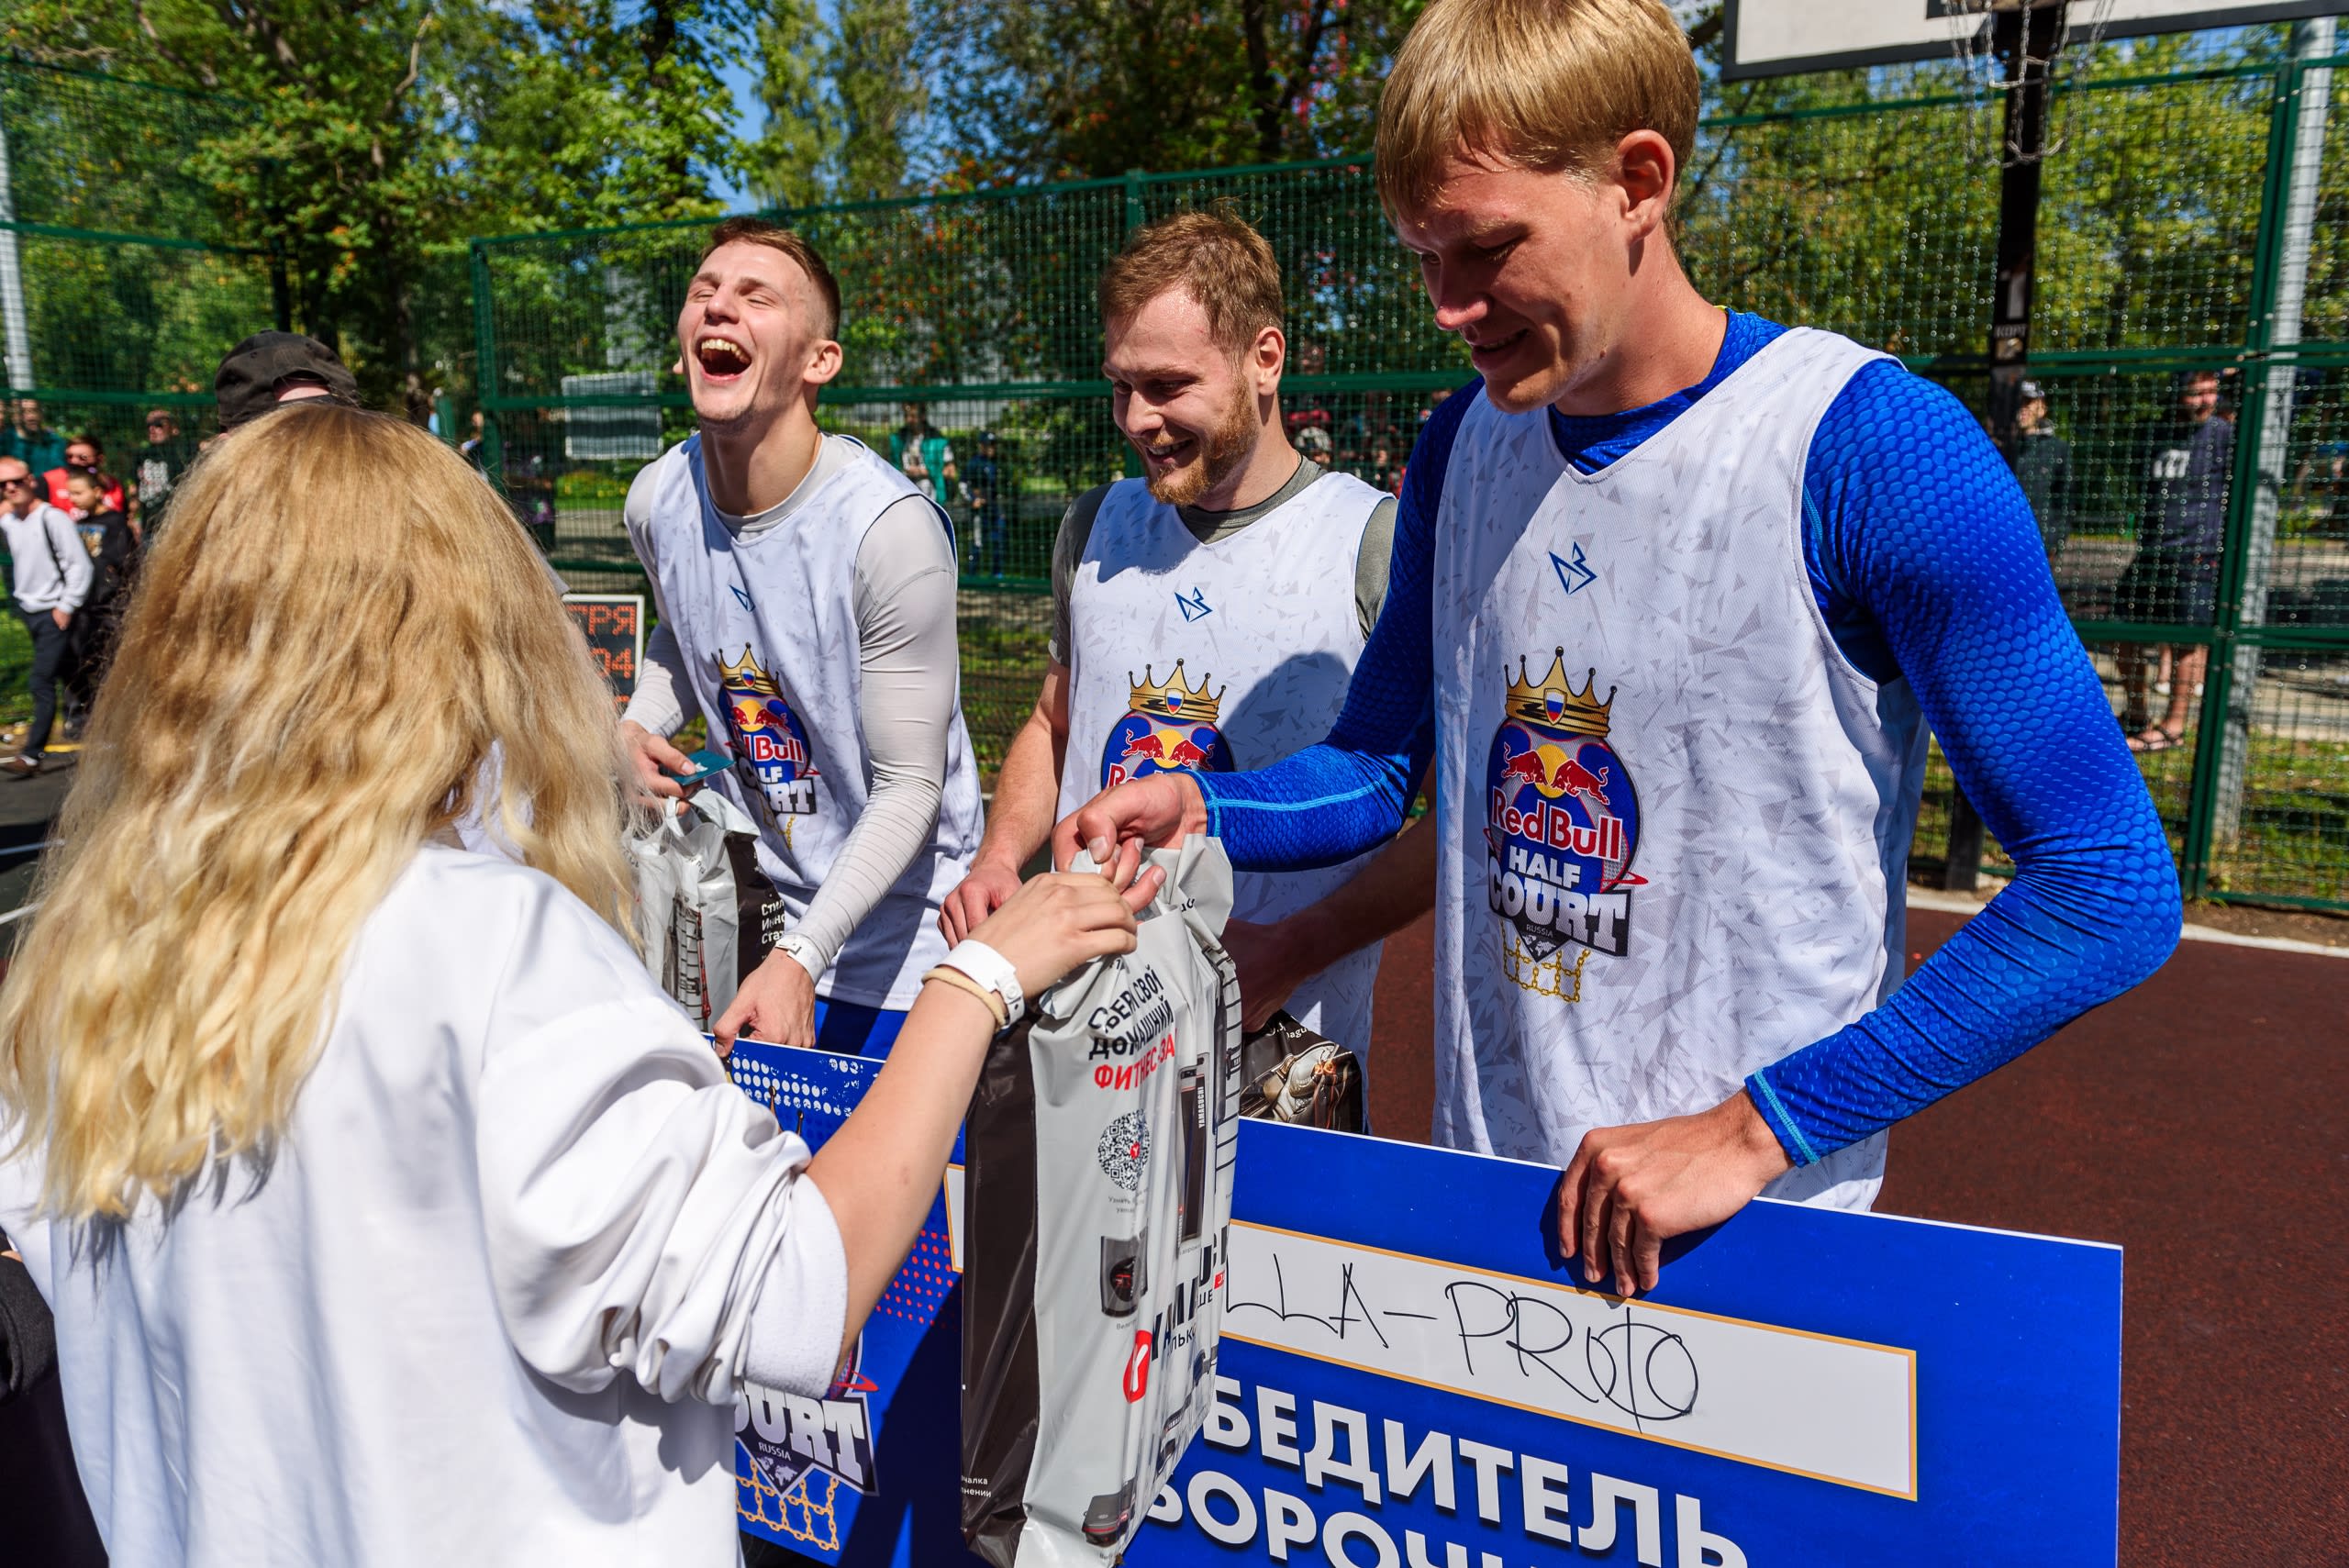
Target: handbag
[{"x": 1289, "y": 1073}]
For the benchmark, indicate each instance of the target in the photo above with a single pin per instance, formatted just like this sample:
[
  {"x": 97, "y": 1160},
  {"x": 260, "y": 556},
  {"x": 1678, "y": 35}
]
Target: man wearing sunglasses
[{"x": 52, "y": 576}]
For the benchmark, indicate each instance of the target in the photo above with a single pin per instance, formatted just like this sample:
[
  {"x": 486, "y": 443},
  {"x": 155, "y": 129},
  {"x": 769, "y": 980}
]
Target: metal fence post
[
  {"x": 2307, "y": 107},
  {"x": 18, "y": 346},
  {"x": 2243, "y": 487},
  {"x": 2027, "y": 43},
  {"x": 493, "y": 445}
]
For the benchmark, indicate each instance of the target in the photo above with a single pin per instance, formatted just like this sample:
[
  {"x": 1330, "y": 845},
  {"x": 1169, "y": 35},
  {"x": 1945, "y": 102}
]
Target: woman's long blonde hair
[{"x": 342, "y": 644}]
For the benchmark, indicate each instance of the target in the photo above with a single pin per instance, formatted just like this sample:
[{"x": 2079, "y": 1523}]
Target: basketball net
[{"x": 1982, "y": 75}]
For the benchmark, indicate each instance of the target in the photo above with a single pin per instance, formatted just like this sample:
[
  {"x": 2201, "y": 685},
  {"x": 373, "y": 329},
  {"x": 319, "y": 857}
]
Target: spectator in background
[
  {"x": 920, "y": 451},
  {"x": 271, "y": 368},
  {"x": 161, "y": 463},
  {"x": 990, "y": 493},
  {"x": 1383, "y": 472},
  {"x": 114, "y": 561},
  {"x": 32, "y": 440},
  {"x": 84, "y": 454},
  {"x": 2043, "y": 463},
  {"x": 52, "y": 576},
  {"x": 2175, "y": 578},
  {"x": 470, "y": 448}
]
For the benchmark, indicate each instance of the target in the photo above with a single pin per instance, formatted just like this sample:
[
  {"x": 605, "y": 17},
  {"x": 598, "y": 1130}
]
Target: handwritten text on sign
[{"x": 1834, "y": 1410}]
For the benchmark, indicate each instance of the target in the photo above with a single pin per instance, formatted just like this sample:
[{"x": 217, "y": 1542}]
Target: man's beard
[{"x": 1221, "y": 452}]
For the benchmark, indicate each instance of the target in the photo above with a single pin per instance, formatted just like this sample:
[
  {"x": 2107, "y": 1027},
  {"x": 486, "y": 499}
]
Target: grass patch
[{"x": 2294, "y": 837}]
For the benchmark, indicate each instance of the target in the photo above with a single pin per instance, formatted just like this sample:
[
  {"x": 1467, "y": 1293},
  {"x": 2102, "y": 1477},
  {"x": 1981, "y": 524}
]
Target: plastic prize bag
[
  {"x": 1090, "y": 1321},
  {"x": 689, "y": 874}
]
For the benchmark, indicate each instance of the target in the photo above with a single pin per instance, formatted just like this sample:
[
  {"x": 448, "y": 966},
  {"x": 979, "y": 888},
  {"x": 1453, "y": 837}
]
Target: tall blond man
[
  {"x": 1209, "y": 615},
  {"x": 1674, "y": 605}
]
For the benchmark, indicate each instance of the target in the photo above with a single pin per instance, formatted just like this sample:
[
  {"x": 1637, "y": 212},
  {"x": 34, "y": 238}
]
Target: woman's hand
[{"x": 1062, "y": 919}]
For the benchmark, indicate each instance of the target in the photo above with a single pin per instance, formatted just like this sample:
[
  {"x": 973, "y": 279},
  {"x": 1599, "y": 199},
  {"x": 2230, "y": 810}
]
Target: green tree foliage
[
  {"x": 792, "y": 162},
  {"x": 362, "y": 145},
  {"x": 1056, "y": 89}
]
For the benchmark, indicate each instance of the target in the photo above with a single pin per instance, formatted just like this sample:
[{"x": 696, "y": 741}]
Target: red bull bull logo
[
  {"x": 1168, "y": 726},
  {"x": 1562, "y": 822},
  {"x": 771, "y": 758}
]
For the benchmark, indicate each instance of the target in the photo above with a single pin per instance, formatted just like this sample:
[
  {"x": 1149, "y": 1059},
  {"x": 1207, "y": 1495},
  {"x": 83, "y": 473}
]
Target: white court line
[{"x": 1959, "y": 904}]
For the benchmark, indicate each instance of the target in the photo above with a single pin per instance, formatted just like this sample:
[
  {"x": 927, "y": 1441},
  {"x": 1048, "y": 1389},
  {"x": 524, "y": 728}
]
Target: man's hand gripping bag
[{"x": 1090, "y": 1318}]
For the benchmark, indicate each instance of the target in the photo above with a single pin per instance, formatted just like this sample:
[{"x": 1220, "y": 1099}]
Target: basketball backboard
[{"x": 1779, "y": 37}]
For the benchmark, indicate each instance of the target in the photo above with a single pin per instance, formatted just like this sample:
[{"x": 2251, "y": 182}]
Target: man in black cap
[
  {"x": 2043, "y": 463},
  {"x": 271, "y": 368}
]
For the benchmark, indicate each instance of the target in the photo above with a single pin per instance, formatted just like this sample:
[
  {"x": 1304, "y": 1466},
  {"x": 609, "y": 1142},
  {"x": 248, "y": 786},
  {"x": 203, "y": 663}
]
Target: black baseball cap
[{"x": 265, "y": 364}]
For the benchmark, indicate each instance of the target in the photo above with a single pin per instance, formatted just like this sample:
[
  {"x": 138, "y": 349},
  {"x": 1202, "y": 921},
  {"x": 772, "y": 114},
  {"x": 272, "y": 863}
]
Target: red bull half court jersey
[
  {"x": 1224, "y": 655},
  {"x": 1676, "y": 818},
  {"x": 767, "y": 625}
]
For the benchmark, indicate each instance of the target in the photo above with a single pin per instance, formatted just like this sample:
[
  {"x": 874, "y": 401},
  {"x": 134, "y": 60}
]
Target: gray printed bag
[
  {"x": 690, "y": 891},
  {"x": 1090, "y": 1318}
]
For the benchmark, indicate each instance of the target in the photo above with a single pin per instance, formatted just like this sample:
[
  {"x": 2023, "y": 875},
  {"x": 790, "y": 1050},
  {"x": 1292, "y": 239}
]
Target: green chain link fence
[
  {"x": 2159, "y": 254},
  {"x": 118, "y": 295},
  {"x": 2162, "y": 250}
]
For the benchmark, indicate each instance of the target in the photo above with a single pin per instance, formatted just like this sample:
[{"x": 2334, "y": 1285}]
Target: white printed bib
[
  {"x": 1676, "y": 819},
  {"x": 1219, "y": 656},
  {"x": 767, "y": 625}
]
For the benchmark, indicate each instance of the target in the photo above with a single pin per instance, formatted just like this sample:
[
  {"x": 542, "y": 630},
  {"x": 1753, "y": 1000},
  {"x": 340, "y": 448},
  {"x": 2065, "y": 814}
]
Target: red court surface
[{"x": 2202, "y": 1122}]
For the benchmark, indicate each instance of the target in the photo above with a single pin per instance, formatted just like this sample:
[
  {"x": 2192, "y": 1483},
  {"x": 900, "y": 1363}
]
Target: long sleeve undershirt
[
  {"x": 904, "y": 602},
  {"x": 1927, "y": 564}
]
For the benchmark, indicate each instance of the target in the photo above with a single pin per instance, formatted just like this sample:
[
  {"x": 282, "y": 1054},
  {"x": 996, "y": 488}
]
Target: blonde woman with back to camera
[{"x": 390, "y": 1213}]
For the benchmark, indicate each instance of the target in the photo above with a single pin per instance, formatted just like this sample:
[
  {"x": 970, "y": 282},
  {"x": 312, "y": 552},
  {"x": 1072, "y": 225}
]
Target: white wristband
[{"x": 990, "y": 969}]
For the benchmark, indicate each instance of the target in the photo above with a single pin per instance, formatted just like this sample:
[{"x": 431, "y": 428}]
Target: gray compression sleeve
[
  {"x": 905, "y": 622},
  {"x": 658, "y": 702}
]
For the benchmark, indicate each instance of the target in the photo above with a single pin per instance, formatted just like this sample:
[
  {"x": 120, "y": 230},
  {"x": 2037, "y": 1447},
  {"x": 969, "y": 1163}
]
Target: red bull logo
[
  {"x": 771, "y": 758},
  {"x": 1562, "y": 823},
  {"x": 1167, "y": 727}
]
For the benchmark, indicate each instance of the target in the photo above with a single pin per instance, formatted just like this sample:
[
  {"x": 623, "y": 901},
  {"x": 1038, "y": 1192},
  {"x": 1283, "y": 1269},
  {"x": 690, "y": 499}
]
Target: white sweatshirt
[
  {"x": 493, "y": 1300},
  {"x": 53, "y": 566}
]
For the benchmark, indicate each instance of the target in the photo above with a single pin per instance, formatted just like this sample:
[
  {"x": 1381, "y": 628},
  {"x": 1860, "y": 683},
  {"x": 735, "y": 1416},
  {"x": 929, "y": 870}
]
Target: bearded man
[{"x": 1207, "y": 616}]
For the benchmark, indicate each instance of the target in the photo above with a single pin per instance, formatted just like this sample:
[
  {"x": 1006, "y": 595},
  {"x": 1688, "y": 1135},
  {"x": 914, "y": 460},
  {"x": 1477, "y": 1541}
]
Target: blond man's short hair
[
  {"x": 1550, "y": 84},
  {"x": 1214, "y": 256},
  {"x": 792, "y": 243}
]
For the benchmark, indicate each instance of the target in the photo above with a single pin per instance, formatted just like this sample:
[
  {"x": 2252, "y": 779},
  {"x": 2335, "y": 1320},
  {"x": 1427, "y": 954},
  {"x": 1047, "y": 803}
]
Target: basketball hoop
[{"x": 1983, "y": 75}]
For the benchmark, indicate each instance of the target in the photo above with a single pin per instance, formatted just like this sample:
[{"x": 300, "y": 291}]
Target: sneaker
[{"x": 19, "y": 767}]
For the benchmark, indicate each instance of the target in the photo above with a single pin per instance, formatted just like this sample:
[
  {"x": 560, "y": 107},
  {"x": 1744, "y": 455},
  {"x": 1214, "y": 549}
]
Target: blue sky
[{"x": 749, "y": 119}]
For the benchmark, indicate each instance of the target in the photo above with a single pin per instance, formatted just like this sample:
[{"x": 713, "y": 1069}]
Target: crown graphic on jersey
[
  {"x": 748, "y": 675},
  {"x": 1176, "y": 698},
  {"x": 1552, "y": 703}
]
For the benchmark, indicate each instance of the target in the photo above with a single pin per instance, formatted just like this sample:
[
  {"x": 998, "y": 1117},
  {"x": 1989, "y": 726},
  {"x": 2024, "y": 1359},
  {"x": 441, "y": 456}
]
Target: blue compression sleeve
[
  {"x": 1931, "y": 567},
  {"x": 1331, "y": 802}
]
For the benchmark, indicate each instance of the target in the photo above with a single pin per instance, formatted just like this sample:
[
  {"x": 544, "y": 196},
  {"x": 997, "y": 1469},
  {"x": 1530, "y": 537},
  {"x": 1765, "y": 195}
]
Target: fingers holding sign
[{"x": 1630, "y": 1189}]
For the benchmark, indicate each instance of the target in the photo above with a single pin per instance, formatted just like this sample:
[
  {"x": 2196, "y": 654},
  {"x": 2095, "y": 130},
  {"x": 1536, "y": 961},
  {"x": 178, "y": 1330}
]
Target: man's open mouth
[
  {"x": 1170, "y": 454},
  {"x": 1498, "y": 347},
  {"x": 721, "y": 359}
]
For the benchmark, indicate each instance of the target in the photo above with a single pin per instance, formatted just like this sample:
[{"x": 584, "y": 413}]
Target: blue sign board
[
  {"x": 1410, "y": 1375},
  {"x": 872, "y": 1474}
]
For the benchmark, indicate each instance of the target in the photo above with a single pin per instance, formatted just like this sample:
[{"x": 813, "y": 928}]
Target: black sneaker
[{"x": 19, "y": 767}]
